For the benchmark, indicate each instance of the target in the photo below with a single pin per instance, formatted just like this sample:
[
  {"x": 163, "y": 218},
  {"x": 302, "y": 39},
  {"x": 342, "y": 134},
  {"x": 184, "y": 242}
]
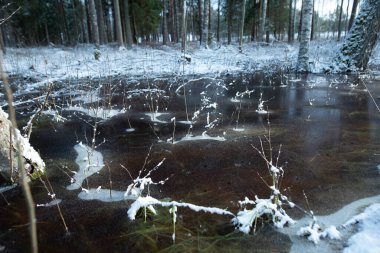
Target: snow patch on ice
[
  {"x": 367, "y": 239},
  {"x": 89, "y": 162}
]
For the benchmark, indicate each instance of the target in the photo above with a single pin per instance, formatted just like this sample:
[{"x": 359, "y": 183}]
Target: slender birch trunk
[{"x": 303, "y": 54}]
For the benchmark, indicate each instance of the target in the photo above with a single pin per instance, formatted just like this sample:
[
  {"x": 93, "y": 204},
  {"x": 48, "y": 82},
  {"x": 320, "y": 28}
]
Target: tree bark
[
  {"x": 119, "y": 31},
  {"x": 353, "y": 13},
  {"x": 200, "y": 13},
  {"x": 128, "y": 30},
  {"x": 94, "y": 23},
  {"x": 218, "y": 24},
  {"x": 242, "y": 26},
  {"x": 183, "y": 43},
  {"x": 263, "y": 20},
  {"x": 303, "y": 54},
  {"x": 101, "y": 23},
  {"x": 361, "y": 40},
  {"x": 291, "y": 23},
  {"x": 86, "y": 38},
  {"x": 229, "y": 21},
  {"x": 8, "y": 151},
  {"x": 205, "y": 23},
  {"x": 164, "y": 23}
]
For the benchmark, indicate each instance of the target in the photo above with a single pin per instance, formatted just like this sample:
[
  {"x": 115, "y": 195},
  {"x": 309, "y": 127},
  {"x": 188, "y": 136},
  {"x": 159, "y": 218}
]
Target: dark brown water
[{"x": 328, "y": 127}]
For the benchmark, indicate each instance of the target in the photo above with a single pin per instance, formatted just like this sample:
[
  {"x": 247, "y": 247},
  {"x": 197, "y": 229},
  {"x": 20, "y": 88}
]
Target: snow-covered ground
[{"x": 47, "y": 64}]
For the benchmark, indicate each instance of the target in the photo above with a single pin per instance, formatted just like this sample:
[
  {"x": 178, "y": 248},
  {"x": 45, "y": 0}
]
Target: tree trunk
[
  {"x": 94, "y": 23},
  {"x": 361, "y": 40},
  {"x": 86, "y": 38},
  {"x": 119, "y": 33},
  {"x": 183, "y": 26},
  {"x": 2, "y": 46},
  {"x": 229, "y": 21},
  {"x": 165, "y": 34},
  {"x": 340, "y": 20},
  {"x": 9, "y": 152},
  {"x": 303, "y": 54},
  {"x": 128, "y": 30},
  {"x": 173, "y": 21},
  {"x": 242, "y": 27},
  {"x": 218, "y": 24},
  {"x": 353, "y": 13},
  {"x": 313, "y": 22},
  {"x": 291, "y": 23},
  {"x": 300, "y": 23},
  {"x": 200, "y": 12},
  {"x": 101, "y": 23},
  {"x": 263, "y": 20},
  {"x": 205, "y": 23}
]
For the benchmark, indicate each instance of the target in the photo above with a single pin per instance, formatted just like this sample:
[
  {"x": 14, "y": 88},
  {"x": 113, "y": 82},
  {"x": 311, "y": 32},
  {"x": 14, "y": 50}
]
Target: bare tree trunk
[
  {"x": 205, "y": 23},
  {"x": 86, "y": 38},
  {"x": 353, "y": 14},
  {"x": 164, "y": 23},
  {"x": 361, "y": 40},
  {"x": 218, "y": 24},
  {"x": 340, "y": 20},
  {"x": 229, "y": 21},
  {"x": 300, "y": 23},
  {"x": 242, "y": 27},
  {"x": 313, "y": 22},
  {"x": 119, "y": 31},
  {"x": 291, "y": 23},
  {"x": 94, "y": 23},
  {"x": 101, "y": 23},
  {"x": 303, "y": 55},
  {"x": 173, "y": 21},
  {"x": 183, "y": 26},
  {"x": 128, "y": 30},
  {"x": 200, "y": 13},
  {"x": 263, "y": 19}
]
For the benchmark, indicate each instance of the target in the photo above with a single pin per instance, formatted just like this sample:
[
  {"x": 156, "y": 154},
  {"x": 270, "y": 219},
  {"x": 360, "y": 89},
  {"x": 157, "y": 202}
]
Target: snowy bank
[{"x": 46, "y": 64}]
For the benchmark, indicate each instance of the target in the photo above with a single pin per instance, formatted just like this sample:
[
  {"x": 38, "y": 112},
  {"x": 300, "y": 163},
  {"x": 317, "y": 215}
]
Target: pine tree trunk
[
  {"x": 164, "y": 23},
  {"x": 353, "y": 13},
  {"x": 263, "y": 19},
  {"x": 173, "y": 21},
  {"x": 313, "y": 22},
  {"x": 86, "y": 38},
  {"x": 183, "y": 26},
  {"x": 205, "y": 23},
  {"x": 128, "y": 29},
  {"x": 242, "y": 27},
  {"x": 291, "y": 23},
  {"x": 101, "y": 23},
  {"x": 119, "y": 33},
  {"x": 361, "y": 40},
  {"x": 229, "y": 21},
  {"x": 218, "y": 24},
  {"x": 200, "y": 26},
  {"x": 303, "y": 54},
  {"x": 94, "y": 22}
]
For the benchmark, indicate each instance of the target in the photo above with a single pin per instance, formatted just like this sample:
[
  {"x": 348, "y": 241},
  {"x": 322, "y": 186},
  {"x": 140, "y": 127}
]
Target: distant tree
[
  {"x": 165, "y": 34},
  {"x": 291, "y": 22},
  {"x": 303, "y": 54},
  {"x": 127, "y": 21},
  {"x": 119, "y": 30},
  {"x": 241, "y": 31},
  {"x": 183, "y": 44},
  {"x": 205, "y": 25},
  {"x": 263, "y": 19},
  {"x": 94, "y": 22},
  {"x": 101, "y": 22},
  {"x": 361, "y": 40}
]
